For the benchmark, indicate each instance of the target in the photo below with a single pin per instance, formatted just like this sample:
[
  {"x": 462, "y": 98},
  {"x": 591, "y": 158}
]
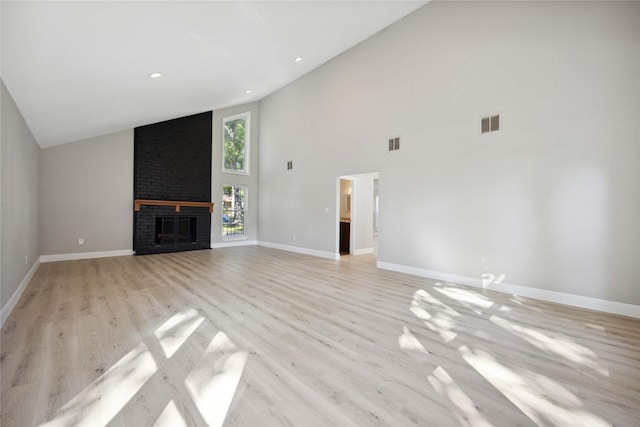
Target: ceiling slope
[{"x": 80, "y": 69}]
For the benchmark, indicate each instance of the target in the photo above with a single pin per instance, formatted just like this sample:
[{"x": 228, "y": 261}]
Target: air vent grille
[
  {"x": 490, "y": 123},
  {"x": 394, "y": 143}
]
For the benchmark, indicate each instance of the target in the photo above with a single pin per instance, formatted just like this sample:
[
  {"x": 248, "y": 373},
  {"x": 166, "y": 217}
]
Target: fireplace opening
[{"x": 172, "y": 230}]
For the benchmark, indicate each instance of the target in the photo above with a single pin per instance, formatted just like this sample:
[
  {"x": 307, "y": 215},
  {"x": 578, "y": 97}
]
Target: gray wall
[
  {"x": 87, "y": 192},
  {"x": 551, "y": 201},
  {"x": 218, "y": 179},
  {"x": 19, "y": 154}
]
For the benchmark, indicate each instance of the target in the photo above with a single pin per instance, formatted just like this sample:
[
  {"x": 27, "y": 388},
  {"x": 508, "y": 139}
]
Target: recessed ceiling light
[
  {"x": 248, "y": 91},
  {"x": 298, "y": 59},
  {"x": 155, "y": 75}
]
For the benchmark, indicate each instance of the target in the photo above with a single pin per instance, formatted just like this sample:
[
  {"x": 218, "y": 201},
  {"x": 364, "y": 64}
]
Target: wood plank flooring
[{"x": 252, "y": 336}]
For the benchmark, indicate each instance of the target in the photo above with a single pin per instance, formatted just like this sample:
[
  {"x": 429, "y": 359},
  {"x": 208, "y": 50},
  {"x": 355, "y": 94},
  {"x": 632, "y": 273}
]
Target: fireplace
[
  {"x": 172, "y": 185},
  {"x": 173, "y": 230},
  {"x": 159, "y": 229}
]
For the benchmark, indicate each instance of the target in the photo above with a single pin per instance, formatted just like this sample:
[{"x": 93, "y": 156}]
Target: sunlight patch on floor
[
  {"x": 175, "y": 331},
  {"x": 213, "y": 383},
  {"x": 170, "y": 417},
  {"x": 408, "y": 341},
  {"x": 490, "y": 278},
  {"x": 441, "y": 321},
  {"x": 558, "y": 345},
  {"x": 465, "y": 296},
  {"x": 98, "y": 403},
  {"x": 468, "y": 415},
  {"x": 542, "y": 399}
]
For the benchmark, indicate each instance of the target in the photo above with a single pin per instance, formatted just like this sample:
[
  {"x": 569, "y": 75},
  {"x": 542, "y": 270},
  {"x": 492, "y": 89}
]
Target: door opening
[
  {"x": 345, "y": 204},
  {"x": 357, "y": 204}
]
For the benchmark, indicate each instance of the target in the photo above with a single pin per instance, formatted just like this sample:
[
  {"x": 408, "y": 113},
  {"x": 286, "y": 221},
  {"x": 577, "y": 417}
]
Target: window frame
[{"x": 247, "y": 142}]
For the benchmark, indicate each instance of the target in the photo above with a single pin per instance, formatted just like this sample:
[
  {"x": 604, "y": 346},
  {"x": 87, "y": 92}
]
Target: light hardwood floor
[{"x": 252, "y": 336}]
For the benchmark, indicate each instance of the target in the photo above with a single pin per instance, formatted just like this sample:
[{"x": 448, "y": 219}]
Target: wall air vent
[
  {"x": 490, "y": 123},
  {"x": 394, "y": 143}
]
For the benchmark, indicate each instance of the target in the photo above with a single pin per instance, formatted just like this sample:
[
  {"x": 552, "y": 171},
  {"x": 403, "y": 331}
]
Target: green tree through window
[
  {"x": 235, "y": 134},
  {"x": 233, "y": 211}
]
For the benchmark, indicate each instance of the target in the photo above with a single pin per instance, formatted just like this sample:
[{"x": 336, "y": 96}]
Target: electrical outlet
[
  {"x": 81, "y": 241},
  {"x": 26, "y": 259},
  {"x": 294, "y": 237}
]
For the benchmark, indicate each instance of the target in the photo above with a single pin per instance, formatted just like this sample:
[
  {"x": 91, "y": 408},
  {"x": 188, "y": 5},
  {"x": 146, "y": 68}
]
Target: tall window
[
  {"x": 235, "y": 143},
  {"x": 234, "y": 202}
]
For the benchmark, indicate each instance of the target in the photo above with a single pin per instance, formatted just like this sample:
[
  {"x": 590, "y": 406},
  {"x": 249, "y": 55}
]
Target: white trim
[
  {"x": 541, "y": 294},
  {"x": 10, "y": 305},
  {"x": 363, "y": 251},
  {"x": 297, "y": 249},
  {"x": 231, "y": 243},
  {"x": 247, "y": 137},
  {"x": 86, "y": 255},
  {"x": 353, "y": 216}
]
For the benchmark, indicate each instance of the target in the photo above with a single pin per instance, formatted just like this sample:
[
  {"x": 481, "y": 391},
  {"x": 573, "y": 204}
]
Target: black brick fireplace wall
[{"x": 172, "y": 161}]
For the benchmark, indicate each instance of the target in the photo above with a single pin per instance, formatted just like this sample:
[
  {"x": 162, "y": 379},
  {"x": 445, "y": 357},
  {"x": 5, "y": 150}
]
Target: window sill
[
  {"x": 235, "y": 172},
  {"x": 233, "y": 238}
]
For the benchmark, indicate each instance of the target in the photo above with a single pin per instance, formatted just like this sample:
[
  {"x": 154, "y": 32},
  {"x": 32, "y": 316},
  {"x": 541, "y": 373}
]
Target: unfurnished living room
[{"x": 320, "y": 213}]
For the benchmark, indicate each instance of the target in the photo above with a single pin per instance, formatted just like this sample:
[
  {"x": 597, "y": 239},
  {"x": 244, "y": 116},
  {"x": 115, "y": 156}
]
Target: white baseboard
[
  {"x": 525, "y": 291},
  {"x": 297, "y": 249},
  {"x": 231, "y": 243},
  {"x": 363, "y": 251},
  {"x": 10, "y": 305},
  {"x": 85, "y": 255}
]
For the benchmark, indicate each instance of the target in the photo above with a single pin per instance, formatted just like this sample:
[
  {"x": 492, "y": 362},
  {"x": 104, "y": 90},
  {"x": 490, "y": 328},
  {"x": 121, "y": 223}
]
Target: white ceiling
[{"x": 78, "y": 69}]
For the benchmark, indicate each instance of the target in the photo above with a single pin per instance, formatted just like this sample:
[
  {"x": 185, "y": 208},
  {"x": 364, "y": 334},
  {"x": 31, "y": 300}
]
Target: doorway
[
  {"x": 346, "y": 190},
  {"x": 357, "y": 207}
]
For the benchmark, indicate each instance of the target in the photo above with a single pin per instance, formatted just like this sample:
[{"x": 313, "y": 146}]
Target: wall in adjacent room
[
  {"x": 551, "y": 201},
  {"x": 345, "y": 191},
  {"x": 86, "y": 192},
  {"x": 19, "y": 154}
]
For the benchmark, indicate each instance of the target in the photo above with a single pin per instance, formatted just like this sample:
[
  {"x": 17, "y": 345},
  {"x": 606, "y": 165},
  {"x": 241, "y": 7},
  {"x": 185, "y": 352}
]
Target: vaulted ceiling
[{"x": 78, "y": 69}]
